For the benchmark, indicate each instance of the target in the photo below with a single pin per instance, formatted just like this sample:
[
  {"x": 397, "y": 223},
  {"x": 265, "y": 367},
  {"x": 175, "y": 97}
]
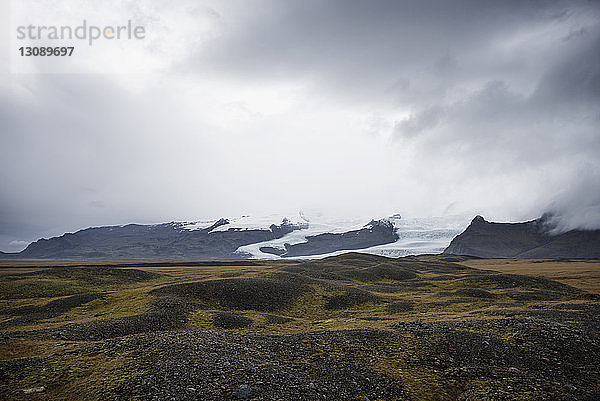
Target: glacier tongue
[{"x": 416, "y": 235}]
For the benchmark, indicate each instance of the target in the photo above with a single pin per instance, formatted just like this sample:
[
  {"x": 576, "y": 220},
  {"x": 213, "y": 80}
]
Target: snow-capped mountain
[{"x": 275, "y": 236}]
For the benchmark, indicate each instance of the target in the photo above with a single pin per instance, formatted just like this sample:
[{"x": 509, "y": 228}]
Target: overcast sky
[{"x": 423, "y": 108}]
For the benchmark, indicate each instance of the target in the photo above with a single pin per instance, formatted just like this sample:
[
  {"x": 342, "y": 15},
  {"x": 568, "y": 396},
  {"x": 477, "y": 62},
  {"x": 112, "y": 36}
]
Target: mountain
[
  {"x": 531, "y": 239},
  {"x": 158, "y": 241},
  {"x": 219, "y": 240}
]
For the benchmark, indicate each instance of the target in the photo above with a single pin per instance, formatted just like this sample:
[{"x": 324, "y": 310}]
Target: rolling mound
[{"x": 260, "y": 294}]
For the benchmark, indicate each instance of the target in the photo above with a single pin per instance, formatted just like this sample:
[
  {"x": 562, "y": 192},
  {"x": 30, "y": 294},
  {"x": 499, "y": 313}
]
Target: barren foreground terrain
[{"x": 351, "y": 327}]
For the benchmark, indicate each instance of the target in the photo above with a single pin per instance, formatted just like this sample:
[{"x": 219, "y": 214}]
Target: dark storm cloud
[
  {"x": 555, "y": 128},
  {"x": 361, "y": 48},
  {"x": 488, "y": 106},
  {"x": 504, "y": 87}
]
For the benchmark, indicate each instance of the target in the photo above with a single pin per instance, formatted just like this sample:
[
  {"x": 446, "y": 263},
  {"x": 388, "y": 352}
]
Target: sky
[{"x": 357, "y": 108}]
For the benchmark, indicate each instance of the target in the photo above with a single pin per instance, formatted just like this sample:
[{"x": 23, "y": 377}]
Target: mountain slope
[
  {"x": 530, "y": 239},
  {"x": 221, "y": 240},
  {"x": 159, "y": 241}
]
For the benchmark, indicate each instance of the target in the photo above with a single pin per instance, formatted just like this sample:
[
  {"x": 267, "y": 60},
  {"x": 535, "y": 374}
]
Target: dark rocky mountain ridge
[
  {"x": 531, "y": 239},
  {"x": 160, "y": 241},
  {"x": 172, "y": 241}
]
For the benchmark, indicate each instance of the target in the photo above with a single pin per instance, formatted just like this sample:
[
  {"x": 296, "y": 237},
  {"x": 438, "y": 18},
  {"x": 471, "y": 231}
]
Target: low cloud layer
[{"x": 357, "y": 108}]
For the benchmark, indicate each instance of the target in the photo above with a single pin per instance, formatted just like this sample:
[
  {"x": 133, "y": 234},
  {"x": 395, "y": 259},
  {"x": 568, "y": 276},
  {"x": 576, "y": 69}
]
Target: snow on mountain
[
  {"x": 317, "y": 224},
  {"x": 260, "y": 222},
  {"x": 416, "y": 235},
  {"x": 195, "y": 225}
]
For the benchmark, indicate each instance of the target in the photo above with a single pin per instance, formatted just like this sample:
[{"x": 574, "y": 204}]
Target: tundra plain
[{"x": 350, "y": 327}]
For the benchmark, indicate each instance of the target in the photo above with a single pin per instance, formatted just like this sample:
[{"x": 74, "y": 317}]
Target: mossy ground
[{"x": 348, "y": 292}]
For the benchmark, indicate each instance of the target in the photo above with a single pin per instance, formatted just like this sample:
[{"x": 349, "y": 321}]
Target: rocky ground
[{"x": 354, "y": 327}]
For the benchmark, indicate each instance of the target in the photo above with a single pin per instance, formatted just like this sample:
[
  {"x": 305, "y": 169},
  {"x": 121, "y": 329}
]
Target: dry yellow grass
[{"x": 580, "y": 273}]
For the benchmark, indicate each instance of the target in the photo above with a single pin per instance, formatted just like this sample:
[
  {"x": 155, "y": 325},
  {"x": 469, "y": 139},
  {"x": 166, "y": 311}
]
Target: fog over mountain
[{"x": 353, "y": 108}]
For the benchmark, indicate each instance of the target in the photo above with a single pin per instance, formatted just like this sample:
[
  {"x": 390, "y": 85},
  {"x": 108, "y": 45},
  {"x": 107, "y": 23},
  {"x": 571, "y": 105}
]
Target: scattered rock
[
  {"x": 243, "y": 392},
  {"x": 34, "y": 390}
]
